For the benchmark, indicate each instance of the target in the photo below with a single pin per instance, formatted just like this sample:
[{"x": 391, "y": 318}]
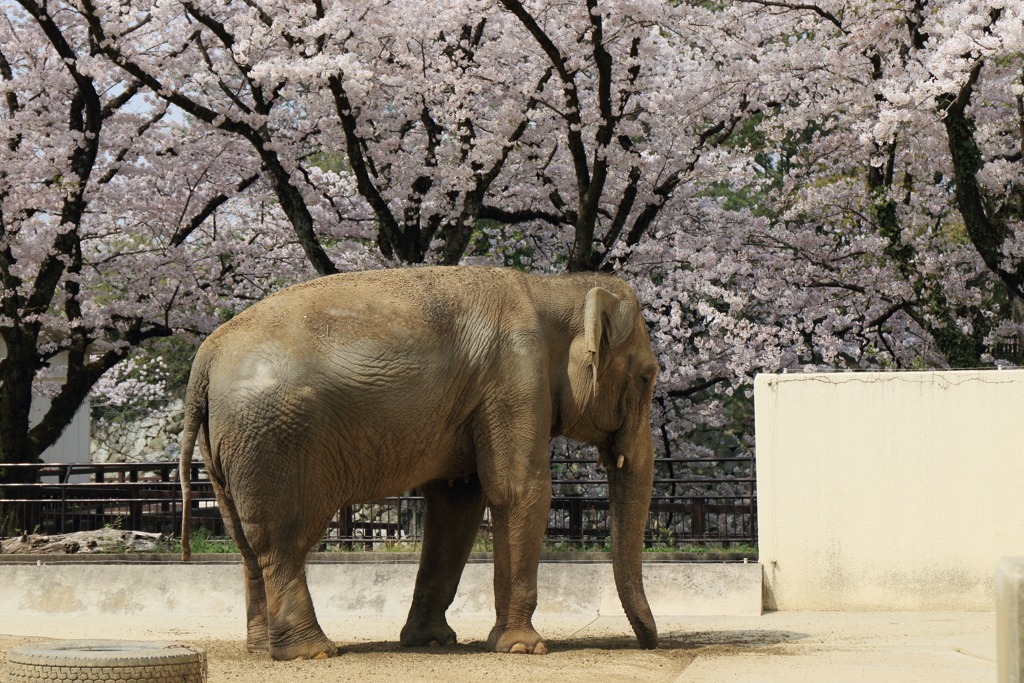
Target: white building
[{"x": 73, "y": 444}]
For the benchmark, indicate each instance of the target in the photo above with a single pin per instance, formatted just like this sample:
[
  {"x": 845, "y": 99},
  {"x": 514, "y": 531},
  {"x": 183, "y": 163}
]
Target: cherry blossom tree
[
  {"x": 542, "y": 137},
  {"x": 121, "y": 222},
  {"x": 886, "y": 168},
  {"x": 787, "y": 185}
]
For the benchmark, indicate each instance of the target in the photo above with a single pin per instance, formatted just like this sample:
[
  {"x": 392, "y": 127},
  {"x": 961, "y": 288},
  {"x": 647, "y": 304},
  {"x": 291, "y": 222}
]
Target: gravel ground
[
  {"x": 606, "y": 652},
  {"x": 780, "y": 647}
]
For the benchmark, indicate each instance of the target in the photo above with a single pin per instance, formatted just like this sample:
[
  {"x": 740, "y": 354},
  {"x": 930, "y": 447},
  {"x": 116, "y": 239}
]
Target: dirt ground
[
  {"x": 780, "y": 647},
  {"x": 606, "y": 657}
]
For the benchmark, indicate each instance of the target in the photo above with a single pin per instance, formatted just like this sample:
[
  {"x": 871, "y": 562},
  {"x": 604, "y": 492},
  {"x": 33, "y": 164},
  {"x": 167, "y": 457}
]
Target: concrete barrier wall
[
  {"x": 364, "y": 589},
  {"x": 888, "y": 491}
]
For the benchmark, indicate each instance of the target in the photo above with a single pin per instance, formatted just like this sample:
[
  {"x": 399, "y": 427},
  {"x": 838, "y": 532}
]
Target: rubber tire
[{"x": 120, "y": 661}]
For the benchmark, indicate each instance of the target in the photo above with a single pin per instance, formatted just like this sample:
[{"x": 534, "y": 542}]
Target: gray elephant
[{"x": 354, "y": 387}]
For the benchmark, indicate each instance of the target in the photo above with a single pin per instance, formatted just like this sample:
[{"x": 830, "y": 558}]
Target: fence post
[
  {"x": 63, "y": 507},
  {"x": 134, "y": 508},
  {"x": 165, "y": 507},
  {"x": 697, "y": 519},
  {"x": 345, "y": 527},
  {"x": 100, "y": 509},
  {"x": 576, "y": 519}
]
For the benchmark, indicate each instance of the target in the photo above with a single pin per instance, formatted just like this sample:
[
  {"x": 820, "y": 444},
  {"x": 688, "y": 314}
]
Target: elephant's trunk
[{"x": 629, "y": 489}]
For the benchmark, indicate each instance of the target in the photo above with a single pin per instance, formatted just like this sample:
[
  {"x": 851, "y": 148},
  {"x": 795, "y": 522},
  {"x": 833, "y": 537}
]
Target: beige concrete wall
[
  {"x": 888, "y": 491},
  {"x": 364, "y": 588}
]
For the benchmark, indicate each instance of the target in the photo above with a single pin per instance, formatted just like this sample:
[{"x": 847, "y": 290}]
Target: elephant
[{"x": 353, "y": 387}]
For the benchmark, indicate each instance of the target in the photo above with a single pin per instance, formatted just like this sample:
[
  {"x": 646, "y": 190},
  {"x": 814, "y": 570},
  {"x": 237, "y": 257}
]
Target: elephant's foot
[
  {"x": 258, "y": 638},
  {"x": 257, "y": 646},
  {"x": 427, "y": 633},
  {"x": 524, "y": 641},
  {"x": 320, "y": 648}
]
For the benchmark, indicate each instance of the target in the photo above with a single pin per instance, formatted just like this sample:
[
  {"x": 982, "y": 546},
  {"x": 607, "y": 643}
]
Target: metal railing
[
  {"x": 129, "y": 496},
  {"x": 709, "y": 507},
  {"x": 686, "y": 508}
]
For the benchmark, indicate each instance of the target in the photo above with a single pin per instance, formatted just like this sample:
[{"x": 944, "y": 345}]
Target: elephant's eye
[{"x": 647, "y": 379}]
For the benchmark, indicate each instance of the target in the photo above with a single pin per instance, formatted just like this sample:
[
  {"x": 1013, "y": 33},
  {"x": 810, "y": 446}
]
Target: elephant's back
[
  {"x": 394, "y": 323},
  {"x": 384, "y": 304},
  {"x": 364, "y": 361}
]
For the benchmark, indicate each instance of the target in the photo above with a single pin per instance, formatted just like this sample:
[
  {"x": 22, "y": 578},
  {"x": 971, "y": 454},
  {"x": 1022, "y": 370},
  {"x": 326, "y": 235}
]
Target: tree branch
[
  {"x": 828, "y": 16},
  {"x": 987, "y": 235},
  {"x": 696, "y": 388},
  {"x": 573, "y": 116},
  {"x": 389, "y": 238},
  {"x": 291, "y": 200},
  {"x": 212, "y": 204}
]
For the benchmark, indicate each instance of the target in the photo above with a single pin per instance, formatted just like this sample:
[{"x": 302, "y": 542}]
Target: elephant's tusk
[{"x": 622, "y": 460}]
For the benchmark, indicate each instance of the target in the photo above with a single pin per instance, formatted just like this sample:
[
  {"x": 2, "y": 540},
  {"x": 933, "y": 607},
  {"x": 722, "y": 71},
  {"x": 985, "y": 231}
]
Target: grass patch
[
  {"x": 202, "y": 541},
  {"x": 388, "y": 546},
  {"x": 705, "y": 548}
]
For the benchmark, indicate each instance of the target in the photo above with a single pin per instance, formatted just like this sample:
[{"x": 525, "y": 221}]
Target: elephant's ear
[{"x": 605, "y": 315}]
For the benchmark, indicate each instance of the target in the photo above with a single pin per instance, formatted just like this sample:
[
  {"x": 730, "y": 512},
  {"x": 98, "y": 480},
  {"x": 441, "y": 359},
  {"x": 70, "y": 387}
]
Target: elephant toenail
[
  {"x": 321, "y": 655},
  {"x": 519, "y": 649},
  {"x": 433, "y": 643},
  {"x": 540, "y": 649}
]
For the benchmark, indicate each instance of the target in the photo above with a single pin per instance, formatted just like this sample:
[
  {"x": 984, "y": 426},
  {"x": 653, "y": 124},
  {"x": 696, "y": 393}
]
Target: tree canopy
[{"x": 786, "y": 185}]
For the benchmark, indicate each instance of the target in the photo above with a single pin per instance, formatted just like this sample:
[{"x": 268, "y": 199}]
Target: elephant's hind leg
[
  {"x": 257, "y": 637},
  {"x": 281, "y": 543},
  {"x": 293, "y": 629},
  {"x": 454, "y": 511}
]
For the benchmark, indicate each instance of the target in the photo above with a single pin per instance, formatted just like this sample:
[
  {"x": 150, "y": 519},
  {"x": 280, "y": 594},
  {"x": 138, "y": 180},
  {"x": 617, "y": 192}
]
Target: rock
[{"x": 145, "y": 439}]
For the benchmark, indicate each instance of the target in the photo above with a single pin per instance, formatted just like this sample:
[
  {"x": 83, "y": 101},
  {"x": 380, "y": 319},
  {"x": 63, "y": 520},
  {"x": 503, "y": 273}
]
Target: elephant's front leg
[
  {"x": 454, "y": 511},
  {"x": 519, "y": 521},
  {"x": 511, "y": 438}
]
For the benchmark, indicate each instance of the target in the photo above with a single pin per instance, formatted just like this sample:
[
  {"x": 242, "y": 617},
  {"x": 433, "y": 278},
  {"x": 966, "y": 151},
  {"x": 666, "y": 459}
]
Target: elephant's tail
[{"x": 195, "y": 417}]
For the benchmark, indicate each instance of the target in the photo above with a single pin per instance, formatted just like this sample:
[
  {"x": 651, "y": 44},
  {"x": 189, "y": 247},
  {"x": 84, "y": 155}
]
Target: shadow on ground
[
  {"x": 668, "y": 641},
  {"x": 694, "y": 640}
]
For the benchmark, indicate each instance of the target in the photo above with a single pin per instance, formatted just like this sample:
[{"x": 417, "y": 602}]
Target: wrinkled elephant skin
[{"x": 354, "y": 387}]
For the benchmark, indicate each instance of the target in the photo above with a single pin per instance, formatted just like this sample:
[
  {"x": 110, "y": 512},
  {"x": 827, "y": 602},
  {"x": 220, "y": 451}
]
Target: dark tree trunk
[
  {"x": 16, "y": 373},
  {"x": 987, "y": 234}
]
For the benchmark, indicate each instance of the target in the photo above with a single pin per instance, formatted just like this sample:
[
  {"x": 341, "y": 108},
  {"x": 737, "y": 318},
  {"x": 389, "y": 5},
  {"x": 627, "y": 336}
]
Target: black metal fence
[
  {"x": 1008, "y": 349},
  {"x": 129, "y": 496},
  {"x": 696, "y": 501}
]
